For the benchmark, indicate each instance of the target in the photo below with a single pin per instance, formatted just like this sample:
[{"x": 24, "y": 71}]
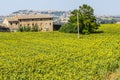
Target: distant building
[
  {"x": 117, "y": 22},
  {"x": 43, "y": 21}
]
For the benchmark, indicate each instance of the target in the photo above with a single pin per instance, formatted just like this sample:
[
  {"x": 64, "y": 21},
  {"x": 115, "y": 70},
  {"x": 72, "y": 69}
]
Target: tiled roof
[
  {"x": 30, "y": 16},
  {"x": 34, "y": 16},
  {"x": 12, "y": 19}
]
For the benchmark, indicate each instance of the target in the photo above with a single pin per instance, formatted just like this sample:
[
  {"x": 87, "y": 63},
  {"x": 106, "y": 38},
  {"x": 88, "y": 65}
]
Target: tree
[{"x": 87, "y": 20}]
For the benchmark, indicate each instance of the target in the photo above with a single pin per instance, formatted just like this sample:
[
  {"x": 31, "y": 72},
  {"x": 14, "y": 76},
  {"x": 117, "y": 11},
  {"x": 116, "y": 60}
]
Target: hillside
[{"x": 60, "y": 56}]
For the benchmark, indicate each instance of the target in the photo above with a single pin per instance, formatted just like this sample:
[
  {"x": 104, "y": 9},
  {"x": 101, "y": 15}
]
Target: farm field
[{"x": 60, "y": 56}]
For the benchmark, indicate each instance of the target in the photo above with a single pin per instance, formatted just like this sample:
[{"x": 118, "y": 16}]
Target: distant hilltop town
[{"x": 59, "y": 17}]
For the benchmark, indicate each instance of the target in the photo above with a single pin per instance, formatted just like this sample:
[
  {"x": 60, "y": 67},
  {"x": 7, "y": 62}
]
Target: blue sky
[{"x": 101, "y": 7}]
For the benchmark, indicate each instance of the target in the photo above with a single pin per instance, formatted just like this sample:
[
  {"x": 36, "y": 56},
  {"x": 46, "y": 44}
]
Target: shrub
[
  {"x": 24, "y": 29},
  {"x": 28, "y": 28},
  {"x": 35, "y": 28},
  {"x": 68, "y": 28},
  {"x": 85, "y": 31}
]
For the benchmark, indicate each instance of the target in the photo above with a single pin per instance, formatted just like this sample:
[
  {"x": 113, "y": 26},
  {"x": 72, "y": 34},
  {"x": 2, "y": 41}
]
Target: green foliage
[
  {"x": 87, "y": 20},
  {"x": 35, "y": 28},
  {"x": 85, "y": 31},
  {"x": 68, "y": 28},
  {"x": 59, "y": 56},
  {"x": 20, "y": 29},
  {"x": 24, "y": 29}
]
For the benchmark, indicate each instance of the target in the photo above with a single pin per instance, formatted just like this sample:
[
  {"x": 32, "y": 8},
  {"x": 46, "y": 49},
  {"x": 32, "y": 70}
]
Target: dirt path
[{"x": 114, "y": 76}]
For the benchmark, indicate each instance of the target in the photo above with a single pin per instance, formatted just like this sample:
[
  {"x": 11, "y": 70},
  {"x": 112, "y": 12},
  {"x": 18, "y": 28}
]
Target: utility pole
[{"x": 78, "y": 23}]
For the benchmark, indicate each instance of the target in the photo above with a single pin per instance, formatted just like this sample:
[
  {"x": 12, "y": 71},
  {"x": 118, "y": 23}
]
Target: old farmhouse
[{"x": 43, "y": 21}]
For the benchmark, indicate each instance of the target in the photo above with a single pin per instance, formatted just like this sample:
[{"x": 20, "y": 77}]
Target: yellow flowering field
[{"x": 59, "y": 56}]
